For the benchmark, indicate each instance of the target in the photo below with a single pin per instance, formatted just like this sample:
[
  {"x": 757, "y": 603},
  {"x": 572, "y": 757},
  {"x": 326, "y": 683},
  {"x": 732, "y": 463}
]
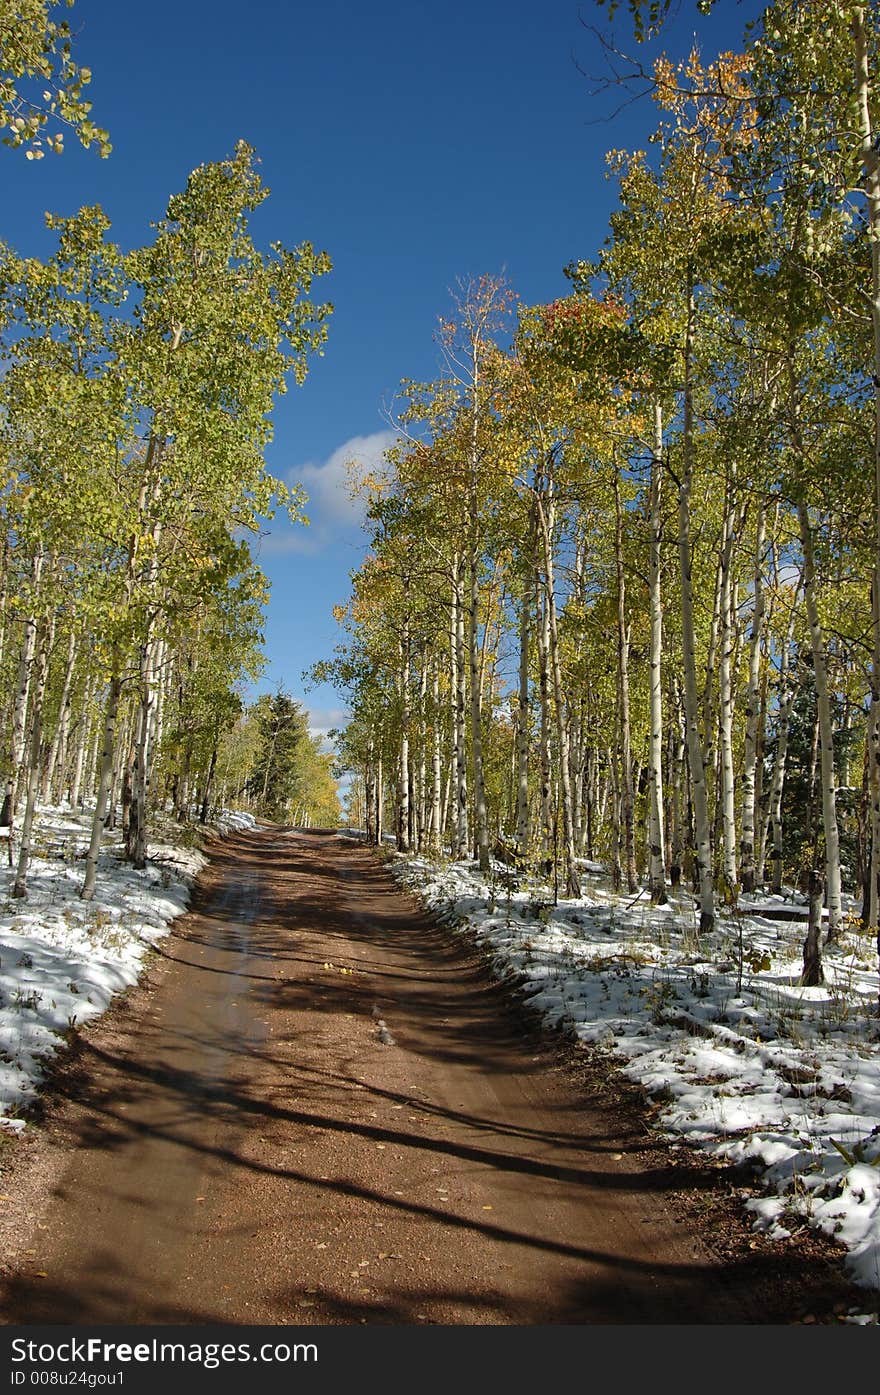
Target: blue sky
[{"x": 417, "y": 144}]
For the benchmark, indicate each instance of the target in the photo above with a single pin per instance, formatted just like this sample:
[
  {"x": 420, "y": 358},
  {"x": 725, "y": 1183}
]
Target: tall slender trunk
[
  {"x": 522, "y": 722},
  {"x": 91, "y": 766},
  {"x": 871, "y": 882},
  {"x": 725, "y": 698},
  {"x": 702, "y": 835},
  {"x": 436, "y": 821},
  {"x": 546, "y": 791},
  {"x": 678, "y": 802},
  {"x": 459, "y": 703},
  {"x": 481, "y": 817},
  {"x": 656, "y": 831},
  {"x": 627, "y": 800},
  {"x": 59, "y": 739},
  {"x": 83, "y": 734},
  {"x": 826, "y": 730},
  {"x": 753, "y": 711},
  {"x": 206, "y": 796},
  {"x": 404, "y": 822},
  {"x": 41, "y": 673},
  {"x": 421, "y": 825},
  {"x": 140, "y": 768},
  {"x": 572, "y": 882},
  {"x": 871, "y": 186},
  {"x": 777, "y": 779},
  {"x": 22, "y": 691},
  {"x": 105, "y": 780},
  {"x": 4, "y": 590}
]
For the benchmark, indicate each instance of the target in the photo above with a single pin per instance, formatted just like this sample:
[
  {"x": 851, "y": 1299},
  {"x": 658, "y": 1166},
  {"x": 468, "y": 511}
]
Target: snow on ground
[
  {"x": 745, "y": 1063},
  {"x": 62, "y": 959}
]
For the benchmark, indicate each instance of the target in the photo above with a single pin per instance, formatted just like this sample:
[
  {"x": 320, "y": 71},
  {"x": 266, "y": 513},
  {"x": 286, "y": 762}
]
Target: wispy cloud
[
  {"x": 332, "y": 507},
  {"x": 325, "y": 719}
]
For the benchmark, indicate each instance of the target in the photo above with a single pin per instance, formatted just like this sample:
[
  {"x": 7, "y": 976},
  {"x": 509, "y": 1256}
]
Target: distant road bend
[{"x": 318, "y": 1108}]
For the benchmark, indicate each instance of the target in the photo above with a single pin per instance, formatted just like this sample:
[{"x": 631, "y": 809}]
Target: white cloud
[
  {"x": 324, "y": 719},
  {"x": 331, "y": 508}
]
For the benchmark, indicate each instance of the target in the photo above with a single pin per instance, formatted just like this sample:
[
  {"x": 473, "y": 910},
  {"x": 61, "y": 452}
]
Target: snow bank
[
  {"x": 63, "y": 959},
  {"x": 746, "y": 1063}
]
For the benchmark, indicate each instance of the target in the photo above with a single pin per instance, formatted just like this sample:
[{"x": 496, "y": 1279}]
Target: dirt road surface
[{"x": 244, "y": 1141}]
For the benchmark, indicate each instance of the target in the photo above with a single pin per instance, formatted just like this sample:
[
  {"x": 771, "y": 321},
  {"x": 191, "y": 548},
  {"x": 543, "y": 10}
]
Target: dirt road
[{"x": 243, "y": 1141}]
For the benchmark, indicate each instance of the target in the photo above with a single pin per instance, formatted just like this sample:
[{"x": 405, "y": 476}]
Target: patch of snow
[
  {"x": 63, "y": 959},
  {"x": 747, "y": 1064},
  {"x": 234, "y": 819}
]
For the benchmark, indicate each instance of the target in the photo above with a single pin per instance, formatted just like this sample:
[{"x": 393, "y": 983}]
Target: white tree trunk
[
  {"x": 753, "y": 711},
  {"x": 572, "y": 882},
  {"x": 656, "y": 831},
  {"x": 105, "y": 780},
  {"x": 725, "y": 702},
  {"x": 41, "y": 669},
  {"x": 871, "y": 186},
  {"x": 459, "y": 703},
  {"x": 696, "y": 755},
  {"x": 826, "y": 731},
  {"x": 22, "y": 689}
]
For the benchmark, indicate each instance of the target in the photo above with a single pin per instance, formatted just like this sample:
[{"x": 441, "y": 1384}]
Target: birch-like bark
[
  {"x": 105, "y": 780},
  {"x": 656, "y": 831},
  {"x": 481, "y": 816},
  {"x": 678, "y": 800},
  {"x": 725, "y": 701},
  {"x": 92, "y": 760},
  {"x": 22, "y": 691},
  {"x": 59, "y": 739},
  {"x": 753, "y": 711},
  {"x": 777, "y": 780},
  {"x": 702, "y": 836},
  {"x": 871, "y": 186},
  {"x": 140, "y": 770},
  {"x": 422, "y": 808},
  {"x": 4, "y": 592},
  {"x": 572, "y": 882},
  {"x": 83, "y": 731},
  {"x": 370, "y": 794},
  {"x": 522, "y": 725},
  {"x": 708, "y": 709},
  {"x": 625, "y": 766},
  {"x": 546, "y": 791},
  {"x": 41, "y": 673},
  {"x": 870, "y": 906},
  {"x": 209, "y": 778},
  {"x": 826, "y": 730},
  {"x": 404, "y": 820},
  {"x": 812, "y": 974},
  {"x": 436, "y": 821},
  {"x": 459, "y": 703}
]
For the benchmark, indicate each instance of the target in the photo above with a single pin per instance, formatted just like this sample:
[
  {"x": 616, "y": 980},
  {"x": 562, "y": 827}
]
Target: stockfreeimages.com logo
[{"x": 210, "y": 1355}]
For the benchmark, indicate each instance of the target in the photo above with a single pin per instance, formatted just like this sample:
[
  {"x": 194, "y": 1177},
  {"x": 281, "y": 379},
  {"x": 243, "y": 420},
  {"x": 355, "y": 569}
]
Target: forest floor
[{"x": 319, "y": 1106}]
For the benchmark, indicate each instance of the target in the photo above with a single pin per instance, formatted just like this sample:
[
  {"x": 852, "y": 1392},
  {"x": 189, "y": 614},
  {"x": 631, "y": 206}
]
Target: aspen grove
[
  {"x": 622, "y": 597},
  {"x": 134, "y": 416}
]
